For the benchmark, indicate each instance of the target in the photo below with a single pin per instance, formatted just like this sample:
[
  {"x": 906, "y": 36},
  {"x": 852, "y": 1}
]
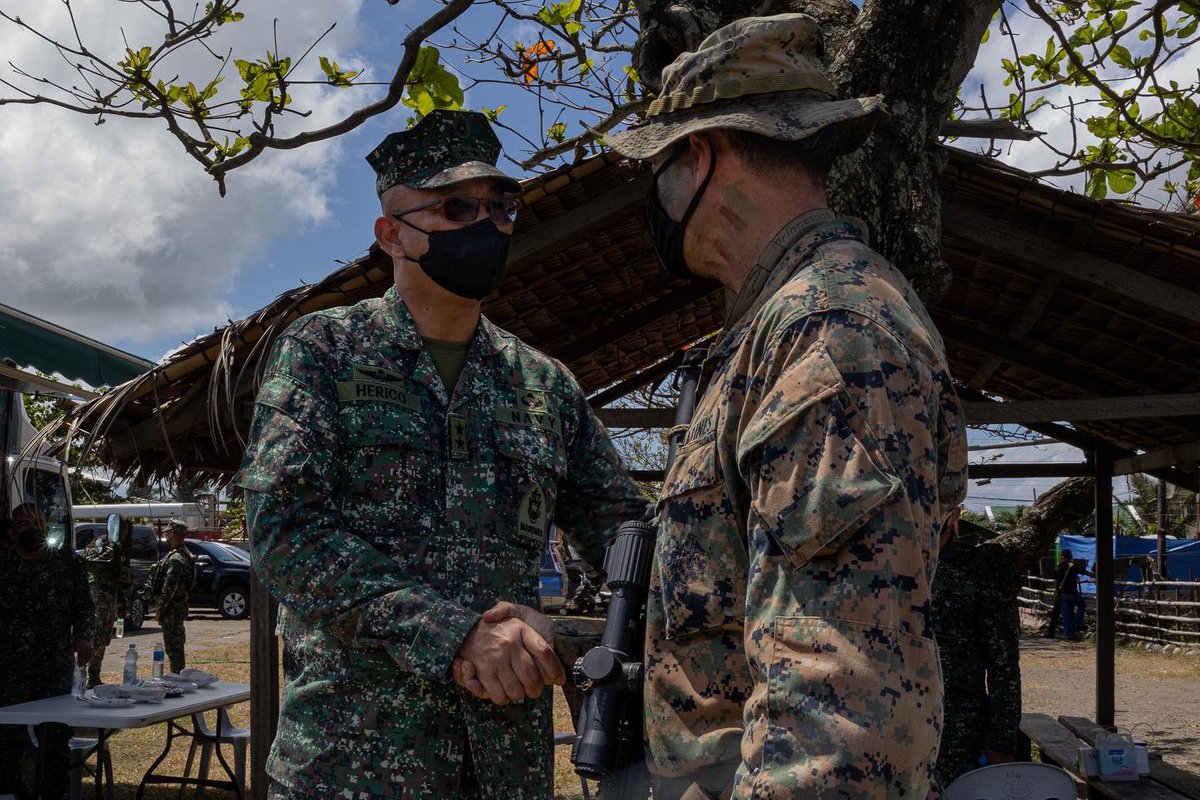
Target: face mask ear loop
[
  {"x": 712, "y": 167},
  {"x": 415, "y": 228}
]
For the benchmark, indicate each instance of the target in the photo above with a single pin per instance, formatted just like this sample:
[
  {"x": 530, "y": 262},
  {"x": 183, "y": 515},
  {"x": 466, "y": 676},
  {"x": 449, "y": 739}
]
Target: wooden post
[
  {"x": 1105, "y": 631},
  {"x": 1161, "y": 510},
  {"x": 264, "y": 684}
]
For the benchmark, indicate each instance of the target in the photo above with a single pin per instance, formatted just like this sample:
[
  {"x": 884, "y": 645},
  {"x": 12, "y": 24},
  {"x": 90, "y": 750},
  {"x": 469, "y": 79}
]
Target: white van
[{"x": 35, "y": 478}]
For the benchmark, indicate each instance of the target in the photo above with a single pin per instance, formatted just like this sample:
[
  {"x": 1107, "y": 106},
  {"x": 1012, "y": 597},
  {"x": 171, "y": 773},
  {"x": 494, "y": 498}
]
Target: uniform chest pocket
[
  {"x": 529, "y": 463},
  {"x": 393, "y": 466},
  {"x": 702, "y": 559}
]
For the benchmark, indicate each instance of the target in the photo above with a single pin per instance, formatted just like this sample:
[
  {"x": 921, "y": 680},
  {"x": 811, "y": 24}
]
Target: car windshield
[{"x": 226, "y": 553}]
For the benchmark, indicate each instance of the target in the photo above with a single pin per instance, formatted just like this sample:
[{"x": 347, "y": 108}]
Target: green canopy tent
[{"x": 34, "y": 343}]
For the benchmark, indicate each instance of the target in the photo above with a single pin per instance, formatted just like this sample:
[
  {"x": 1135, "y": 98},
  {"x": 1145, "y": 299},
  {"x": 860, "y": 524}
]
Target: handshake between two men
[{"x": 509, "y": 655}]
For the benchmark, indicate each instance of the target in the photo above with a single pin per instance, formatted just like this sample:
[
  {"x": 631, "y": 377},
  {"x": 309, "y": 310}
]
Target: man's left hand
[
  {"x": 83, "y": 651},
  {"x": 463, "y": 671}
]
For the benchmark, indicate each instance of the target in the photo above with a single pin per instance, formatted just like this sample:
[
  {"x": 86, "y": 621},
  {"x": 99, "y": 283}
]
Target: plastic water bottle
[
  {"x": 156, "y": 667},
  {"x": 131, "y": 656},
  {"x": 79, "y": 679},
  {"x": 120, "y": 627}
]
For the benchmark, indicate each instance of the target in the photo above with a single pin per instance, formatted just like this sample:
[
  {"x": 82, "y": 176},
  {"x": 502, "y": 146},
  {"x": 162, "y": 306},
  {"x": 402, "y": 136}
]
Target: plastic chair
[
  {"x": 79, "y": 749},
  {"x": 1020, "y": 780},
  {"x": 205, "y": 738}
]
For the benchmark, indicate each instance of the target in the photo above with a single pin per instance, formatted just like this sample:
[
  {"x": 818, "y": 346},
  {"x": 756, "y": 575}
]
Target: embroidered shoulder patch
[{"x": 533, "y": 515}]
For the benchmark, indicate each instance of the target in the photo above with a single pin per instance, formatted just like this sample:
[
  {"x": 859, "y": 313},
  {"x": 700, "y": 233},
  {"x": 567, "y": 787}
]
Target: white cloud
[{"x": 113, "y": 230}]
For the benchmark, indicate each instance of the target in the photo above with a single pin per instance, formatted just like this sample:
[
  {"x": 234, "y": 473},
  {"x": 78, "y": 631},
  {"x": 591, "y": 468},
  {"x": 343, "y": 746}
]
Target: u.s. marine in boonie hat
[
  {"x": 756, "y": 74},
  {"x": 444, "y": 148}
]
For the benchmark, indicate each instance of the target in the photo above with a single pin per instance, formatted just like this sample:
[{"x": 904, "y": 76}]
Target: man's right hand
[{"x": 509, "y": 659}]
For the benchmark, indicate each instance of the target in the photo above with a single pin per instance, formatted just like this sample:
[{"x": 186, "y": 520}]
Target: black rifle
[{"x": 609, "y": 729}]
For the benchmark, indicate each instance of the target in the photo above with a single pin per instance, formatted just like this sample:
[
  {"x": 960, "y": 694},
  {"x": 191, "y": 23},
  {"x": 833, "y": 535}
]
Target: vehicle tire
[
  {"x": 234, "y": 602},
  {"x": 136, "y": 617}
]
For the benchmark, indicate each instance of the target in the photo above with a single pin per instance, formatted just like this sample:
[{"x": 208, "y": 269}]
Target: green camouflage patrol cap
[
  {"x": 756, "y": 74},
  {"x": 444, "y": 148},
  {"x": 176, "y": 524}
]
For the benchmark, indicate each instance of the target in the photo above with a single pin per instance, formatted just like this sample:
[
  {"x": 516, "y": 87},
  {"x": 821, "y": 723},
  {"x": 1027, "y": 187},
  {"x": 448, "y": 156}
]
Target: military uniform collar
[
  {"x": 488, "y": 338},
  {"x": 778, "y": 263}
]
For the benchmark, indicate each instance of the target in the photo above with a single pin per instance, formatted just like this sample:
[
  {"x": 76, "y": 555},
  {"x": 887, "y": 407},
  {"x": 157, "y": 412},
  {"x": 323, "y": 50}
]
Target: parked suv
[{"x": 222, "y": 578}]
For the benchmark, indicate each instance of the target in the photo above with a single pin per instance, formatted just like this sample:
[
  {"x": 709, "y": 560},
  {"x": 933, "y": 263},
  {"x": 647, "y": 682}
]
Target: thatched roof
[{"x": 1055, "y": 296}]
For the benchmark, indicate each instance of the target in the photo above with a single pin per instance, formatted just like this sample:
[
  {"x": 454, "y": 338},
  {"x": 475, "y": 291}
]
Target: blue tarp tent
[{"x": 1183, "y": 556}]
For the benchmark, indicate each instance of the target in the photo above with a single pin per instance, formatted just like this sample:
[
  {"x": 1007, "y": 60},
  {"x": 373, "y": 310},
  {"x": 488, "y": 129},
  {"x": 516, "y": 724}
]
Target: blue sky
[{"x": 113, "y": 231}]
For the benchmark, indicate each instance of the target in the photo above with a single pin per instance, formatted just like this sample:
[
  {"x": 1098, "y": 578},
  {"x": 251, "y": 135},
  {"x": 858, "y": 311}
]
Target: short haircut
[{"x": 813, "y": 155}]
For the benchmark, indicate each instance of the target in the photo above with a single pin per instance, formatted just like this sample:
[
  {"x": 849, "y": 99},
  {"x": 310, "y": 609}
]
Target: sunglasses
[{"x": 501, "y": 210}]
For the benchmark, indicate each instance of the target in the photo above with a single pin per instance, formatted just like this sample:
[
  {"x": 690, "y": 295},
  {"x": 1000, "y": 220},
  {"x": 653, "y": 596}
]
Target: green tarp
[{"x": 32, "y": 342}]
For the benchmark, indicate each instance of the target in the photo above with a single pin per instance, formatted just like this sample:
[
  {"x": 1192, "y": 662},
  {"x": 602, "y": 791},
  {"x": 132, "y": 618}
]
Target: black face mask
[
  {"x": 468, "y": 262},
  {"x": 667, "y": 234},
  {"x": 30, "y": 543}
]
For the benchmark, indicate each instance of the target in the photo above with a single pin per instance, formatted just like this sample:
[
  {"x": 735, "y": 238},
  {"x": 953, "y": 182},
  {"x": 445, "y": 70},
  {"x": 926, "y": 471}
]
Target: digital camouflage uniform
[
  {"x": 789, "y": 630},
  {"x": 108, "y": 575},
  {"x": 978, "y": 635},
  {"x": 45, "y": 607},
  {"x": 179, "y": 575},
  {"x": 386, "y": 516}
]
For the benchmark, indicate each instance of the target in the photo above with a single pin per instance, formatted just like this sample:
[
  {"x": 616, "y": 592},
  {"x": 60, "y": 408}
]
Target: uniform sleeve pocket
[{"x": 815, "y": 470}]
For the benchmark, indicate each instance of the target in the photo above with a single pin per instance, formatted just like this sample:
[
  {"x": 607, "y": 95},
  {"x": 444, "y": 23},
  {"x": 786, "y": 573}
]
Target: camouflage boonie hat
[
  {"x": 176, "y": 524},
  {"x": 444, "y": 148},
  {"x": 757, "y": 74}
]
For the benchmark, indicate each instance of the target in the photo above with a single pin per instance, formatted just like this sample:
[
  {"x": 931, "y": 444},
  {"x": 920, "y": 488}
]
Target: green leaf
[
  {"x": 1122, "y": 181},
  {"x": 557, "y": 132},
  {"x": 1097, "y": 186},
  {"x": 430, "y": 85},
  {"x": 492, "y": 113},
  {"x": 1120, "y": 55}
]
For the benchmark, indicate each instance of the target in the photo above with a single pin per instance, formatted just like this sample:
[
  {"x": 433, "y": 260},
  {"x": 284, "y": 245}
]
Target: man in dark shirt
[
  {"x": 1066, "y": 578},
  {"x": 978, "y": 635}
]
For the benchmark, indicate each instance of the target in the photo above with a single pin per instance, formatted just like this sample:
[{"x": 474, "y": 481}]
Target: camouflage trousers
[
  {"x": 25, "y": 680},
  {"x": 105, "y": 600},
  {"x": 963, "y": 734},
  {"x": 171, "y": 617}
]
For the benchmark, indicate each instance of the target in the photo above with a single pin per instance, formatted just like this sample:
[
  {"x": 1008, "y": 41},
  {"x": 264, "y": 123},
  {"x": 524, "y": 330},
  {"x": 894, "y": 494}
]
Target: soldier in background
[
  {"x": 179, "y": 575},
  {"x": 789, "y": 644},
  {"x": 406, "y": 461},
  {"x": 46, "y": 622},
  {"x": 978, "y": 632},
  {"x": 109, "y": 577}
]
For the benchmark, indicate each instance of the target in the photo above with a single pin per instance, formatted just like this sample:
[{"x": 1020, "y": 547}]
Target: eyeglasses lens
[{"x": 465, "y": 209}]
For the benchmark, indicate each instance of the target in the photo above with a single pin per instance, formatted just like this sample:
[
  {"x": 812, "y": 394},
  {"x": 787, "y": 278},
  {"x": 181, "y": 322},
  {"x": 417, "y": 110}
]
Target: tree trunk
[
  {"x": 1057, "y": 509},
  {"x": 915, "y": 53}
]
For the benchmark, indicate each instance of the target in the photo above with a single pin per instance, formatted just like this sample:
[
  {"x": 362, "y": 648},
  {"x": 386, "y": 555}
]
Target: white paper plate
[
  {"x": 198, "y": 677},
  {"x": 107, "y": 702}
]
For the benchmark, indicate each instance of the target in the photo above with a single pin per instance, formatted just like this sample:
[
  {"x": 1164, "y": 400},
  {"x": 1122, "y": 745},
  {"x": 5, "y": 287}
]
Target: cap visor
[
  {"x": 470, "y": 171},
  {"x": 768, "y": 115}
]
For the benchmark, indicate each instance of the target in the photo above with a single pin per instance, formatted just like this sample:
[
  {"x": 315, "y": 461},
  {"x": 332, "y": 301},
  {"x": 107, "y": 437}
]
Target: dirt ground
[{"x": 1158, "y": 696}]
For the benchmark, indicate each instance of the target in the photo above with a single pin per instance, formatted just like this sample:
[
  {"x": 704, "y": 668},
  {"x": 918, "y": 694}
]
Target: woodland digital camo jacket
[
  {"x": 386, "y": 517},
  {"x": 978, "y": 632},
  {"x": 789, "y": 631}
]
